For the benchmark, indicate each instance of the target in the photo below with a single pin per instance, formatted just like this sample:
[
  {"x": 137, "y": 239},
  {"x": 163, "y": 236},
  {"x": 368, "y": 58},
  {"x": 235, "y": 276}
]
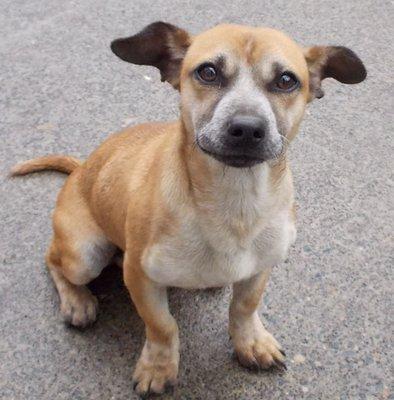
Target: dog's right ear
[{"x": 161, "y": 45}]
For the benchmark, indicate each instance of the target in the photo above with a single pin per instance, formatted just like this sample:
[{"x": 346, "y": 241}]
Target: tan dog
[{"x": 205, "y": 201}]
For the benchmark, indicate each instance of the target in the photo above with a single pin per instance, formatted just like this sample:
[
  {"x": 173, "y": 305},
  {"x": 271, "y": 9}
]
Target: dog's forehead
[{"x": 254, "y": 46}]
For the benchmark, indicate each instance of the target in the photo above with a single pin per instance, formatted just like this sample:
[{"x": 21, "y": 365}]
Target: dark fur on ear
[
  {"x": 335, "y": 62},
  {"x": 160, "y": 45}
]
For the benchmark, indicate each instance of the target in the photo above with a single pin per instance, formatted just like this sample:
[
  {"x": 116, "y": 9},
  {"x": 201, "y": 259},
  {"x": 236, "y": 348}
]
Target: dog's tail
[{"x": 65, "y": 164}]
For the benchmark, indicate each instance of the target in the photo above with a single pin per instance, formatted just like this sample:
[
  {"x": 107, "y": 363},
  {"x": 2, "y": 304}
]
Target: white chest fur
[{"x": 238, "y": 234}]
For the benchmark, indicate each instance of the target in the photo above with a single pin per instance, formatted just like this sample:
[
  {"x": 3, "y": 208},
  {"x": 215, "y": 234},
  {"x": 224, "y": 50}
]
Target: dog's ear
[
  {"x": 161, "y": 45},
  {"x": 335, "y": 62}
]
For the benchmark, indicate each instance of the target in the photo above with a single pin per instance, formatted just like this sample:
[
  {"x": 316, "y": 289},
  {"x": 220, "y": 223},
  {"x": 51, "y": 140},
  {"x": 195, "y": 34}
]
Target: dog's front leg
[
  {"x": 254, "y": 345},
  {"x": 157, "y": 366}
]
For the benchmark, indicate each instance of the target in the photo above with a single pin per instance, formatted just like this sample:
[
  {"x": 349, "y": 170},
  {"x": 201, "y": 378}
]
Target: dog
[{"x": 205, "y": 201}]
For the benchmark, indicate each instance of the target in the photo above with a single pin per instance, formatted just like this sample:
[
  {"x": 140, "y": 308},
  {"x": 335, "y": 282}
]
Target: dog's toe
[
  {"x": 79, "y": 308},
  {"x": 149, "y": 380},
  {"x": 263, "y": 352},
  {"x": 150, "y": 384}
]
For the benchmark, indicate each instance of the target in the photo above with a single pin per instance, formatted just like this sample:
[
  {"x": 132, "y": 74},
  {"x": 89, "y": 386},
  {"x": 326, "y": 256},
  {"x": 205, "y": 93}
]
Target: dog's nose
[{"x": 246, "y": 130}]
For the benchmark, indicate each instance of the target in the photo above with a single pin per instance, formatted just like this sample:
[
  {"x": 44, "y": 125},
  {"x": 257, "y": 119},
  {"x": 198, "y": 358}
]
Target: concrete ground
[{"x": 330, "y": 305}]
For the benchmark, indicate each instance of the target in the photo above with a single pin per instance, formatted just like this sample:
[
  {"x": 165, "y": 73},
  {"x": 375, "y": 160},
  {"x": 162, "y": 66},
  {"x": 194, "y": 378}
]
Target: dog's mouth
[{"x": 237, "y": 161}]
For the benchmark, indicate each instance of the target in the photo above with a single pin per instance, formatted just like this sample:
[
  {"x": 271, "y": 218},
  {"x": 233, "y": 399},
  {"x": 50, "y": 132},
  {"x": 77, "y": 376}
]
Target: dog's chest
[{"x": 221, "y": 246}]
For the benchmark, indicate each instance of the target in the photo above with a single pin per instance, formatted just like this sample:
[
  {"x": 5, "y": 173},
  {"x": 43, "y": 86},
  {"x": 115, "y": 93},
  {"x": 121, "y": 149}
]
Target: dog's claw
[
  {"x": 254, "y": 367},
  {"x": 143, "y": 394},
  {"x": 282, "y": 352},
  {"x": 169, "y": 387},
  {"x": 280, "y": 365}
]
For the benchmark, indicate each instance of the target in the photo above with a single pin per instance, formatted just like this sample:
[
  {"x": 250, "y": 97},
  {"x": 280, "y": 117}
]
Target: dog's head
[{"x": 243, "y": 89}]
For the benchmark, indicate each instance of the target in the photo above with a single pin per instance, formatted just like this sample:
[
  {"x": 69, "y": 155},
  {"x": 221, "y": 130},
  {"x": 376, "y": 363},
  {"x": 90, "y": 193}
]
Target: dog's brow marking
[
  {"x": 250, "y": 45},
  {"x": 278, "y": 67},
  {"x": 220, "y": 60}
]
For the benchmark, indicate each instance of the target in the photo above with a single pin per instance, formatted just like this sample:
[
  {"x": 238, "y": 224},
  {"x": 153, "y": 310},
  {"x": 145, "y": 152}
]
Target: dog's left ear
[
  {"x": 335, "y": 62},
  {"x": 161, "y": 45}
]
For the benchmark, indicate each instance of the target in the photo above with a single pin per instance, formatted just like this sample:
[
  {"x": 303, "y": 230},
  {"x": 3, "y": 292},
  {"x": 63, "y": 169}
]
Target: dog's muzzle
[{"x": 243, "y": 144}]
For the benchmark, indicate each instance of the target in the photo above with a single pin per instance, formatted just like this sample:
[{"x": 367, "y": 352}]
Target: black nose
[{"x": 246, "y": 130}]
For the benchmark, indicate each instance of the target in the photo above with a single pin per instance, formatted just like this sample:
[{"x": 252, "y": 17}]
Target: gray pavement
[{"x": 330, "y": 305}]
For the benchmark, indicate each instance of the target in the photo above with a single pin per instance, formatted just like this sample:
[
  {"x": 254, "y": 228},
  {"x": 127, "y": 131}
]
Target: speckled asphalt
[{"x": 330, "y": 305}]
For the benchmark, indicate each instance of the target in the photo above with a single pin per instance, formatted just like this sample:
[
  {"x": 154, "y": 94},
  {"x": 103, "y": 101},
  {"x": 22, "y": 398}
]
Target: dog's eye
[
  {"x": 287, "y": 82},
  {"x": 207, "y": 73}
]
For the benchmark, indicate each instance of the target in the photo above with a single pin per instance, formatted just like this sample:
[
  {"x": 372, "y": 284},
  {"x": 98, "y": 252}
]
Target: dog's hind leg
[{"x": 78, "y": 253}]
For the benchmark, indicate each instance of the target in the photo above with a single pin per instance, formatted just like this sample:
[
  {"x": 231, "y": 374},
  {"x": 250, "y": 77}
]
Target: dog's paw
[
  {"x": 256, "y": 348},
  {"x": 79, "y": 307},
  {"x": 156, "y": 370}
]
